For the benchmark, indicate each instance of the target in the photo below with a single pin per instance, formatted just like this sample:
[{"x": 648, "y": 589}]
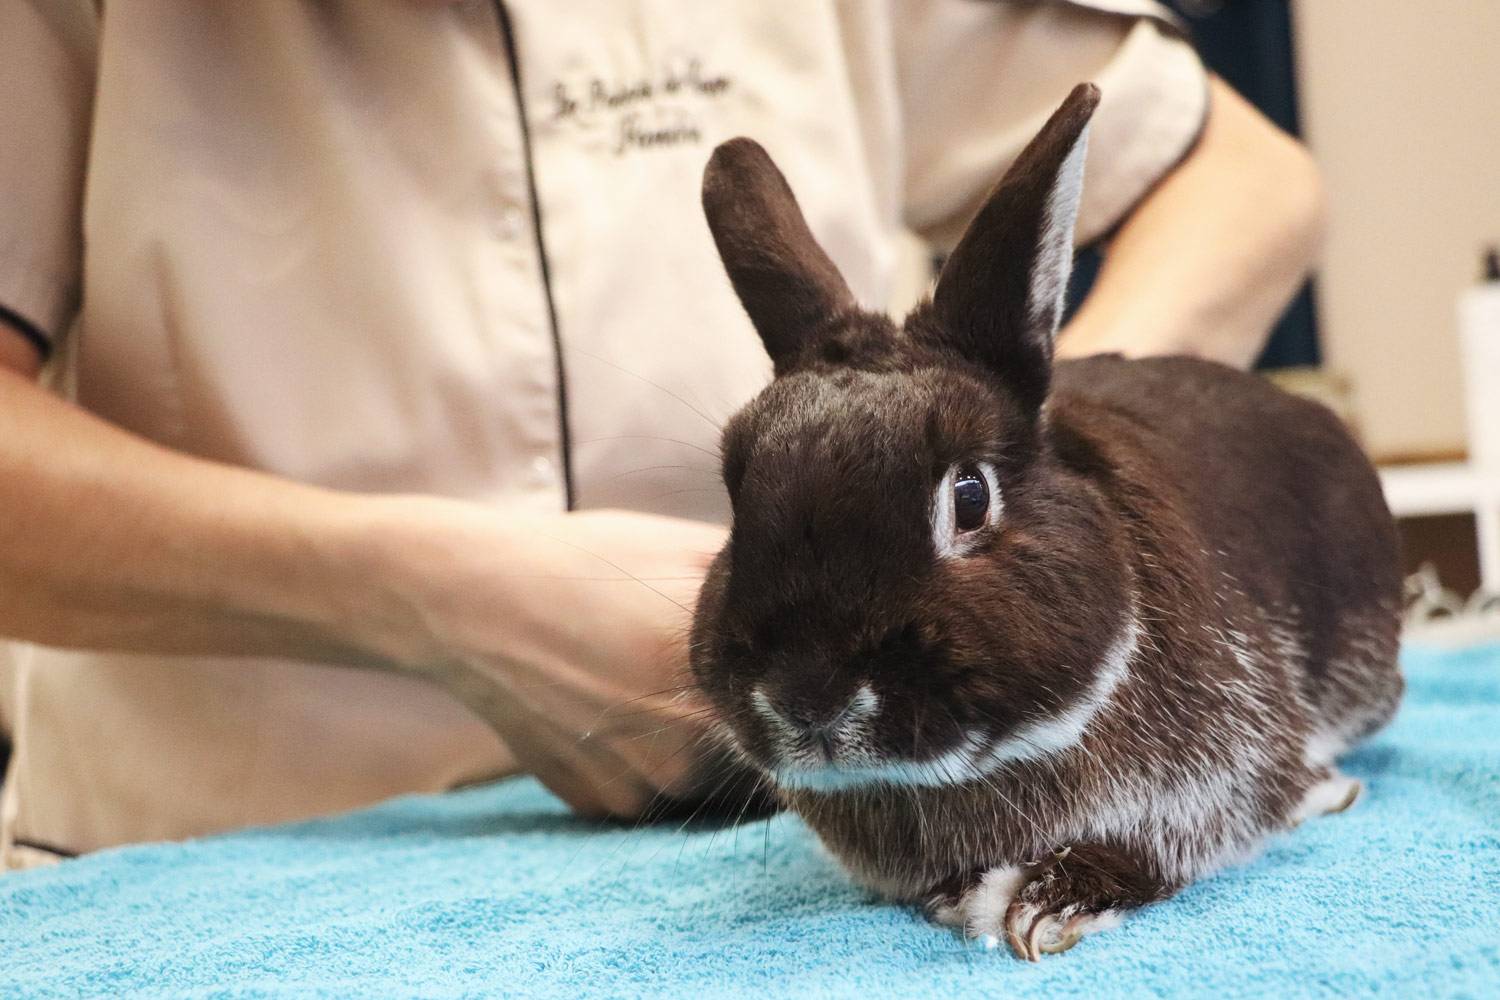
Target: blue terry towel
[{"x": 498, "y": 892}]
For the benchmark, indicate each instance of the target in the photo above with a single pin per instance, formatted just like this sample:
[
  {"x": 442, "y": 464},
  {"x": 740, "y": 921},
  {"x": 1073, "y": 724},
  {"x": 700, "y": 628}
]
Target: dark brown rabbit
[{"x": 1029, "y": 644}]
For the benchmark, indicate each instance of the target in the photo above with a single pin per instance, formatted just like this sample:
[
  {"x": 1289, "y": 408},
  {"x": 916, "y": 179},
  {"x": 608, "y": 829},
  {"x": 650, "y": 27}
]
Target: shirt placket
[{"x": 523, "y": 315}]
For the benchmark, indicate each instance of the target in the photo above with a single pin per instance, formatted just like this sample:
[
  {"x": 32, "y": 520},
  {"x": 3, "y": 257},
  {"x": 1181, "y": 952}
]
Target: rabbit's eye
[
  {"x": 967, "y": 499},
  {"x": 971, "y": 499}
]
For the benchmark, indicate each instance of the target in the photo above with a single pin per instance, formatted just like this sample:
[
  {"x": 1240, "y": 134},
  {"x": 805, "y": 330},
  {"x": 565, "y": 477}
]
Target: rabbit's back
[{"x": 1283, "y": 505}]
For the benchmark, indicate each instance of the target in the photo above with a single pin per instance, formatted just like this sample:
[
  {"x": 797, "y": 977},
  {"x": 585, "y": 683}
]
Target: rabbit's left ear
[
  {"x": 1000, "y": 296},
  {"x": 785, "y": 281}
]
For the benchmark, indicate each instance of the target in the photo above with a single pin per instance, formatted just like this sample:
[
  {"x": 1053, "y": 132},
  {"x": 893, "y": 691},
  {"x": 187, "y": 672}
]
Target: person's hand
[{"x": 567, "y": 633}]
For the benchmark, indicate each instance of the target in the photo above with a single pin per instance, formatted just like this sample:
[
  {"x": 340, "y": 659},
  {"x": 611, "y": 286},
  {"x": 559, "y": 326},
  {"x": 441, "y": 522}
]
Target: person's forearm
[
  {"x": 110, "y": 541},
  {"x": 543, "y": 624},
  {"x": 18, "y": 354},
  {"x": 1209, "y": 260}
]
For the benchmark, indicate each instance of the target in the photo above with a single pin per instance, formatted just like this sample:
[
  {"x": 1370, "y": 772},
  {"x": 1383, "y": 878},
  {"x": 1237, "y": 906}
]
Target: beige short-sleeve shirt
[{"x": 390, "y": 245}]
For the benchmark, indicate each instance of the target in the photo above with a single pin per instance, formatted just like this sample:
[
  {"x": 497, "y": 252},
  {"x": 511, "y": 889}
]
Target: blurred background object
[
  {"x": 1250, "y": 44},
  {"x": 1399, "y": 104}
]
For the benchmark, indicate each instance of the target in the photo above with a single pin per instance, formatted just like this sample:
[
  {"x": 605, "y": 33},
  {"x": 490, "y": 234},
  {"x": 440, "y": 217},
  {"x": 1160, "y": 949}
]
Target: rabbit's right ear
[
  {"x": 1000, "y": 295},
  {"x": 785, "y": 281}
]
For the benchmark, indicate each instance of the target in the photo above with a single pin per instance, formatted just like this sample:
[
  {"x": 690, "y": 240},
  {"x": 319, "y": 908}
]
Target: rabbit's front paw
[
  {"x": 1050, "y": 915},
  {"x": 1046, "y": 906},
  {"x": 1079, "y": 890},
  {"x": 1027, "y": 905},
  {"x": 976, "y": 903}
]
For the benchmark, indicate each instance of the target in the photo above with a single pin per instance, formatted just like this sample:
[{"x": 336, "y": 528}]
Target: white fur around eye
[{"x": 947, "y": 542}]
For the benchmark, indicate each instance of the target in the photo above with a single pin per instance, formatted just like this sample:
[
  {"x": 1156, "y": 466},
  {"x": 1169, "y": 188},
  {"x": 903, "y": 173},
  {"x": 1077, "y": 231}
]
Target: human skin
[
  {"x": 567, "y": 632},
  {"x": 1208, "y": 261}
]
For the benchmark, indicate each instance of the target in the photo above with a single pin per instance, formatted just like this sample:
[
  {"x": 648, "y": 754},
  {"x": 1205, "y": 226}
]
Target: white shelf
[
  {"x": 1434, "y": 488},
  {"x": 1451, "y": 488}
]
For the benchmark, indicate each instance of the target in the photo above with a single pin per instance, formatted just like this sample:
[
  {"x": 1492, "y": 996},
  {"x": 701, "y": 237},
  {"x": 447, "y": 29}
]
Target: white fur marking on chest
[
  {"x": 1198, "y": 812},
  {"x": 1048, "y": 736}
]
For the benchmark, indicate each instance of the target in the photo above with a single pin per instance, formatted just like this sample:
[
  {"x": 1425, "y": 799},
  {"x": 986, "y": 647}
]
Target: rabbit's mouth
[
  {"x": 952, "y": 767},
  {"x": 838, "y": 749},
  {"x": 841, "y": 752}
]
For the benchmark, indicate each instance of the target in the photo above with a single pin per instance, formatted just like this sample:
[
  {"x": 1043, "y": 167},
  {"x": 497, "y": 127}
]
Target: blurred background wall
[{"x": 1400, "y": 102}]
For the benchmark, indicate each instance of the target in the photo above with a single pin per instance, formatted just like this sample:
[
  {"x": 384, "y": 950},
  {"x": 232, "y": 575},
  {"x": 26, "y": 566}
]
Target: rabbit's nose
[{"x": 819, "y": 724}]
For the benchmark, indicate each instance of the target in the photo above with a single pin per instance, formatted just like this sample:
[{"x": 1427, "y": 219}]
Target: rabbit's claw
[
  {"x": 1050, "y": 913},
  {"x": 1033, "y": 931},
  {"x": 1046, "y": 907}
]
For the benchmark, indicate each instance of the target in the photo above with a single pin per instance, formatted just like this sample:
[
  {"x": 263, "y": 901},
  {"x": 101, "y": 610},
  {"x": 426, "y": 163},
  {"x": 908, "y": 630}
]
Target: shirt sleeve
[
  {"x": 47, "y": 52},
  {"x": 979, "y": 79}
]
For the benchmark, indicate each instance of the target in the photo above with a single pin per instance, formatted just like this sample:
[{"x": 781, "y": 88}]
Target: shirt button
[
  {"x": 541, "y": 467},
  {"x": 508, "y": 224}
]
